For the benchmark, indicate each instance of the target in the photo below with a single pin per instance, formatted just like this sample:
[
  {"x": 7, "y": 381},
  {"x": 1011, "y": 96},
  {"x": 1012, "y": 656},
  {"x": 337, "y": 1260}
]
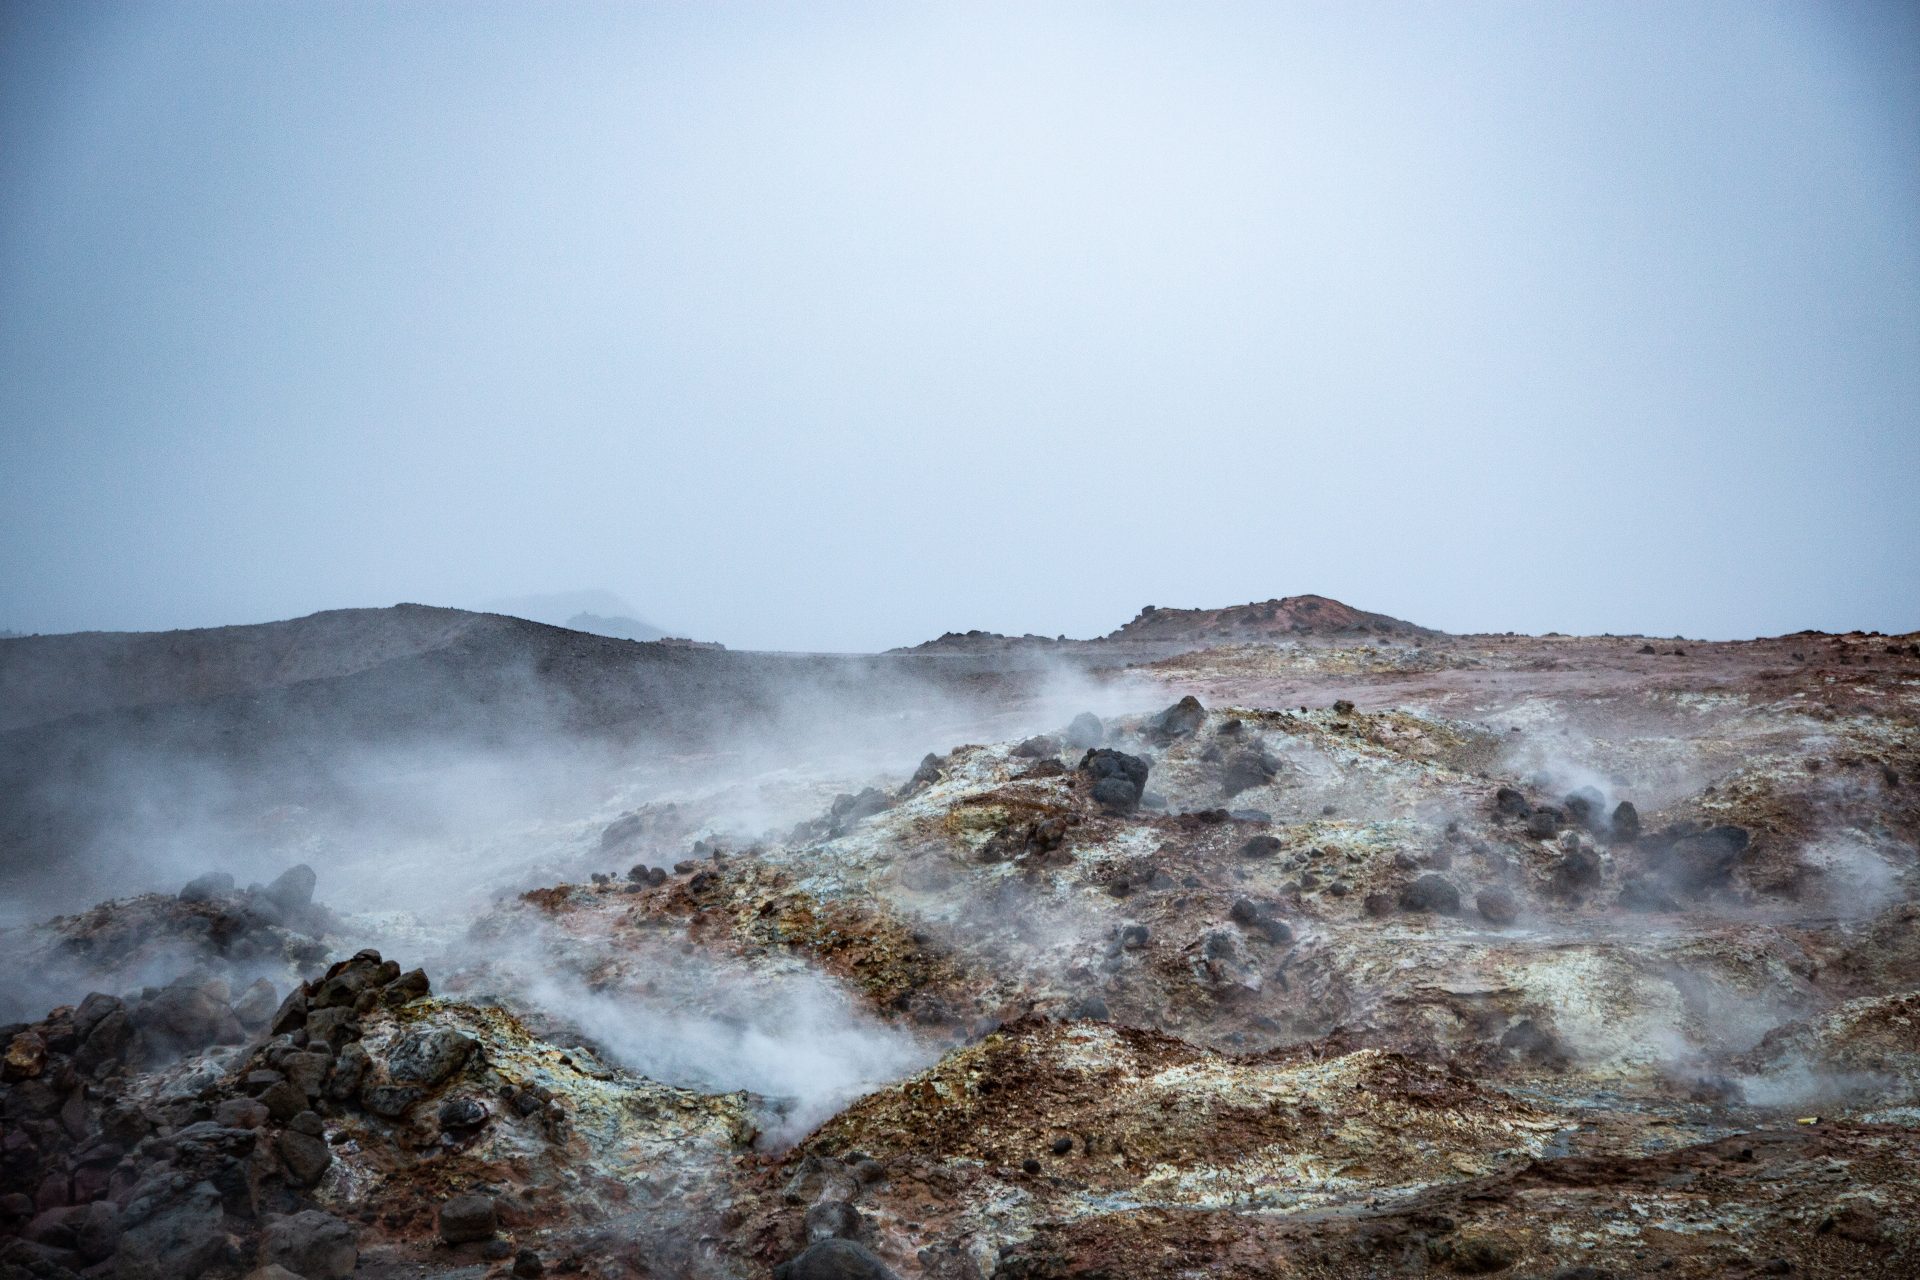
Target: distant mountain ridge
[
  {"x": 1286, "y": 618},
  {"x": 49, "y": 677},
  {"x": 46, "y": 677},
  {"x": 620, "y": 628},
  {"x": 1264, "y": 620}
]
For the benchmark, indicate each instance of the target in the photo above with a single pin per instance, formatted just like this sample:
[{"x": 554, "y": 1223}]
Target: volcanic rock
[
  {"x": 1085, "y": 732},
  {"x": 312, "y": 1244},
  {"x": 467, "y": 1218},
  {"x": 206, "y": 888},
  {"x": 834, "y": 1260},
  {"x": 1497, "y": 905},
  {"x": 1431, "y": 892},
  {"x": 1118, "y": 778},
  {"x": 1178, "y": 720},
  {"x": 428, "y": 1056},
  {"x": 293, "y": 888}
]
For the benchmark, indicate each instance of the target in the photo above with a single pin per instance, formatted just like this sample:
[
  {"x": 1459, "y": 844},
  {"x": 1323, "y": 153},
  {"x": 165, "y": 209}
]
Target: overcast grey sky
[{"x": 838, "y": 326}]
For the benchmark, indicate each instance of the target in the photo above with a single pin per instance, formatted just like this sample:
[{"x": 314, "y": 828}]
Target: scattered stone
[
  {"x": 256, "y": 1005},
  {"x": 1085, "y": 732},
  {"x": 1624, "y": 828},
  {"x": 349, "y": 1070},
  {"x": 312, "y": 1244},
  {"x": 305, "y": 1155},
  {"x": 834, "y": 1260},
  {"x": 1699, "y": 862},
  {"x": 462, "y": 1113},
  {"x": 206, "y": 888},
  {"x": 1431, "y": 892},
  {"x": 283, "y": 1100},
  {"x": 467, "y": 1218},
  {"x": 1178, "y": 720},
  {"x": 413, "y": 984},
  {"x": 1118, "y": 778},
  {"x": 834, "y": 1220},
  {"x": 272, "y": 1271},
  {"x": 1246, "y": 770},
  {"x": 1260, "y": 846},
  {"x": 1092, "y": 1009},
  {"x": 926, "y": 775},
  {"x": 293, "y": 888},
  {"x": 1643, "y": 893},
  {"x": 1579, "y": 869},
  {"x": 1584, "y": 807},
  {"x": 1545, "y": 822},
  {"x": 1512, "y": 803},
  {"x": 429, "y": 1056},
  {"x": 240, "y": 1113},
  {"x": 26, "y": 1056},
  {"x": 1497, "y": 905},
  {"x": 527, "y": 1265},
  {"x": 1342, "y": 707},
  {"x": 177, "y": 1229}
]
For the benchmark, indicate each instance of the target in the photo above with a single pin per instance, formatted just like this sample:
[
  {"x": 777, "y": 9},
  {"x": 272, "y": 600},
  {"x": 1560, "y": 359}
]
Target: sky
[{"x": 838, "y": 326}]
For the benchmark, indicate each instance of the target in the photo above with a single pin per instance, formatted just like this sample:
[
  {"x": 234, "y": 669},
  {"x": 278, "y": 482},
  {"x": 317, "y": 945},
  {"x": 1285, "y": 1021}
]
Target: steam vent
[{"x": 1277, "y": 940}]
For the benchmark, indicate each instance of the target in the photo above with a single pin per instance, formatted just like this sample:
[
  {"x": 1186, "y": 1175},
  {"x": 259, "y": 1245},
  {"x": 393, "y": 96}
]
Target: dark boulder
[
  {"x": 1092, "y": 1008},
  {"x": 1118, "y": 778},
  {"x": 1511, "y": 802},
  {"x": 926, "y": 775},
  {"x": 467, "y": 1218},
  {"x": 1497, "y": 905},
  {"x": 1545, "y": 822},
  {"x": 187, "y": 1016},
  {"x": 1586, "y": 808},
  {"x": 1577, "y": 871},
  {"x": 427, "y": 1057},
  {"x": 1035, "y": 748},
  {"x": 312, "y": 1244},
  {"x": 256, "y": 1005},
  {"x": 1644, "y": 893},
  {"x": 349, "y": 1069},
  {"x": 1625, "y": 825},
  {"x": 1260, "y": 846},
  {"x": 849, "y": 810},
  {"x": 1178, "y": 720},
  {"x": 1246, "y": 770},
  {"x": 462, "y": 1113},
  {"x": 413, "y": 984},
  {"x": 834, "y": 1220},
  {"x": 172, "y": 1228},
  {"x": 1700, "y": 862},
  {"x": 835, "y": 1260},
  {"x": 206, "y": 888},
  {"x": 293, "y": 888},
  {"x": 305, "y": 1156},
  {"x": 1085, "y": 732},
  {"x": 1431, "y": 892}
]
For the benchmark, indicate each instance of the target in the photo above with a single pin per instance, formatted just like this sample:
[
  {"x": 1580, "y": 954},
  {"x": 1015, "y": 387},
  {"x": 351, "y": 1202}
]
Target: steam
[{"x": 777, "y": 1029}]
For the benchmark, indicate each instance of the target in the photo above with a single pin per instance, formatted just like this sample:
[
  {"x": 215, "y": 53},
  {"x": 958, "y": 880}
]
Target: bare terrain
[{"x": 1260, "y": 942}]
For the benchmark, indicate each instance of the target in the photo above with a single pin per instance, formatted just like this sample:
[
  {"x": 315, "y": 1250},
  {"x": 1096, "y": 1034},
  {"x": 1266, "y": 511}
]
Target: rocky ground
[{"x": 1372, "y": 954}]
